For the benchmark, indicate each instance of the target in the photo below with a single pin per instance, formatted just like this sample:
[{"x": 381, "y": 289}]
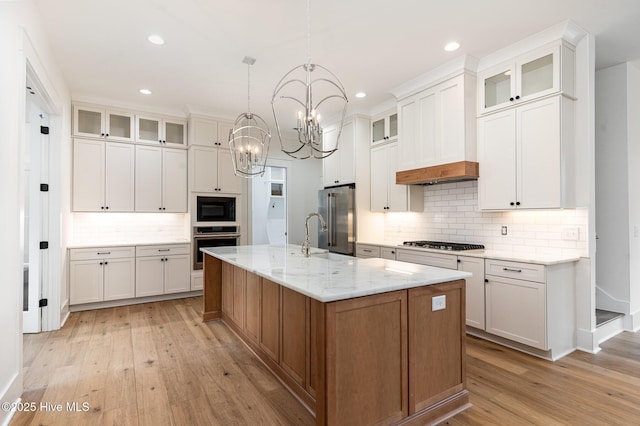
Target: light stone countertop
[
  {"x": 120, "y": 243},
  {"x": 328, "y": 277}
]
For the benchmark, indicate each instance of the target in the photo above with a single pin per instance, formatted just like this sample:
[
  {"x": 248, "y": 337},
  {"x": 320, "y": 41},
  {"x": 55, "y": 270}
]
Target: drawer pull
[
  {"x": 164, "y": 249},
  {"x": 512, "y": 270},
  {"x": 104, "y": 252},
  {"x": 366, "y": 250}
]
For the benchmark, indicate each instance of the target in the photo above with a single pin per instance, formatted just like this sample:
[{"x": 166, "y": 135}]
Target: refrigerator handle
[{"x": 329, "y": 220}]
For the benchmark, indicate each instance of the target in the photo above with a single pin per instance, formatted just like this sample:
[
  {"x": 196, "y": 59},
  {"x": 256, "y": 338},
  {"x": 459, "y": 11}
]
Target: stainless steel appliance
[
  {"x": 212, "y": 236},
  {"x": 440, "y": 245},
  {"x": 337, "y": 206},
  {"x": 215, "y": 209}
]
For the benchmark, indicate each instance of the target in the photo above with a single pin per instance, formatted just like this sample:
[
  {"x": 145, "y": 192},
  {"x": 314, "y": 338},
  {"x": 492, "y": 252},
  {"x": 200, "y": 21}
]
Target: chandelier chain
[
  {"x": 308, "y": 32},
  {"x": 249, "y": 88}
]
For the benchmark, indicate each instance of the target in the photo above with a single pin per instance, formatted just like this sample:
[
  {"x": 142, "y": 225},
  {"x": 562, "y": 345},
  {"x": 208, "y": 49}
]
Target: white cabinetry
[
  {"x": 526, "y": 155},
  {"x": 384, "y": 127},
  {"x": 208, "y": 132},
  {"x": 339, "y": 167},
  {"x": 439, "y": 260},
  {"x": 386, "y": 195},
  {"x": 103, "y": 176},
  {"x": 162, "y": 269},
  {"x": 161, "y": 130},
  {"x": 547, "y": 70},
  {"x": 161, "y": 179},
  {"x": 474, "y": 288},
  {"x": 212, "y": 170},
  {"x": 438, "y": 125},
  {"x": 100, "y": 122},
  {"x": 101, "y": 274},
  {"x": 388, "y": 253},
  {"x": 366, "y": 251}
]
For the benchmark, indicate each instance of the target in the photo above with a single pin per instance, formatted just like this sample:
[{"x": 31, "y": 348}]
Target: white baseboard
[
  {"x": 12, "y": 392},
  {"x": 586, "y": 341},
  {"x": 134, "y": 301},
  {"x": 610, "y": 329}
]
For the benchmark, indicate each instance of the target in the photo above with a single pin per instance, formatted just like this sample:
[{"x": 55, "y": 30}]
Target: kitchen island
[{"x": 358, "y": 341}]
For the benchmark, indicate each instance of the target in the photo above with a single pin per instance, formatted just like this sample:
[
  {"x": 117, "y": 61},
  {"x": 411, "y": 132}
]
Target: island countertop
[{"x": 329, "y": 277}]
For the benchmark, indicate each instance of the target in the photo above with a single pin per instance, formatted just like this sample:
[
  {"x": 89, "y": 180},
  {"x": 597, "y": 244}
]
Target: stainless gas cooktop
[{"x": 440, "y": 245}]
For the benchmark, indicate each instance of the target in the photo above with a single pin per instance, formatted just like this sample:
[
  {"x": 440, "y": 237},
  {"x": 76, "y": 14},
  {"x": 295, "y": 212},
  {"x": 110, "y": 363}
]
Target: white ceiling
[{"x": 371, "y": 45}]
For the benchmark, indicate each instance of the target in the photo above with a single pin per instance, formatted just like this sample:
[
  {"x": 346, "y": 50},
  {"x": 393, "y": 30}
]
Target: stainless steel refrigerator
[{"x": 337, "y": 207}]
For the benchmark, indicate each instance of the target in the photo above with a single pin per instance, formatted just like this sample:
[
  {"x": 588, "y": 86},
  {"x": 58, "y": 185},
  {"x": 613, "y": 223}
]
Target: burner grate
[{"x": 442, "y": 245}]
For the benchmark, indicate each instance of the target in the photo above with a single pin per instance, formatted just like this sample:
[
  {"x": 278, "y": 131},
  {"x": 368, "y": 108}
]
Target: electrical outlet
[
  {"x": 503, "y": 230},
  {"x": 438, "y": 303},
  {"x": 571, "y": 234}
]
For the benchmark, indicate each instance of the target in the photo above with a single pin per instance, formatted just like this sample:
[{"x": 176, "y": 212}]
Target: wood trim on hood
[{"x": 462, "y": 170}]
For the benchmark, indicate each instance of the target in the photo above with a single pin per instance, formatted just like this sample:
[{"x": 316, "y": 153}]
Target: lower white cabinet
[
  {"x": 474, "y": 288},
  {"x": 101, "y": 274},
  {"x": 366, "y": 251},
  {"x": 162, "y": 269},
  {"x": 388, "y": 253}
]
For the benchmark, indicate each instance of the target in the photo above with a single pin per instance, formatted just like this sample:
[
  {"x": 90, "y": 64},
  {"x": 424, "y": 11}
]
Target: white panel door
[
  {"x": 330, "y": 164},
  {"x": 538, "y": 134},
  {"x": 119, "y": 279},
  {"x": 88, "y": 175},
  {"x": 204, "y": 164},
  {"x": 174, "y": 180},
  {"x": 407, "y": 137},
  {"x": 396, "y": 194},
  {"x": 203, "y": 132},
  {"x": 177, "y": 274},
  {"x": 474, "y": 289},
  {"x": 428, "y": 130},
  {"x": 148, "y": 180},
  {"x": 346, "y": 155},
  {"x": 451, "y": 140},
  {"x": 497, "y": 157},
  {"x": 85, "y": 281},
  {"x": 119, "y": 177},
  {"x": 379, "y": 179},
  {"x": 149, "y": 276},
  {"x": 228, "y": 182}
]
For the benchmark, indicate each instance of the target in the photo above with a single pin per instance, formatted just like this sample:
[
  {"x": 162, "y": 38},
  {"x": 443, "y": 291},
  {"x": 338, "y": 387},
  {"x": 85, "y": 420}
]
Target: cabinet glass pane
[
  {"x": 497, "y": 89},
  {"x": 377, "y": 130},
  {"x": 174, "y": 133},
  {"x": 148, "y": 129},
  {"x": 393, "y": 125},
  {"x": 89, "y": 122},
  {"x": 537, "y": 75},
  {"x": 120, "y": 126}
]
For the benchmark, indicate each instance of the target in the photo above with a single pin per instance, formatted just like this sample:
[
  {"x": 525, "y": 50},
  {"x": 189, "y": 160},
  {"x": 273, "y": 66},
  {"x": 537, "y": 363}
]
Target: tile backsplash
[
  {"x": 128, "y": 228},
  {"x": 451, "y": 214}
]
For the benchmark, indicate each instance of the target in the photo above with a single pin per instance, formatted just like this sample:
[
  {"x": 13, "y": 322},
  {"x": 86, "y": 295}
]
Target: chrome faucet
[{"x": 307, "y": 243}]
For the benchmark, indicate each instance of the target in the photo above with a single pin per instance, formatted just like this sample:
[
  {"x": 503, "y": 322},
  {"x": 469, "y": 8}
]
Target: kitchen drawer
[
  {"x": 365, "y": 250},
  {"x": 101, "y": 253},
  {"x": 162, "y": 249},
  {"x": 516, "y": 270},
  {"x": 427, "y": 258},
  {"x": 388, "y": 252}
]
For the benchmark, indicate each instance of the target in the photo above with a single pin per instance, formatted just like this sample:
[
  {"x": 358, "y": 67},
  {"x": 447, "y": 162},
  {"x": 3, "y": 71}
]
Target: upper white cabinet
[
  {"x": 438, "y": 125},
  {"x": 209, "y": 132},
  {"x": 544, "y": 71},
  {"x": 103, "y": 176},
  {"x": 339, "y": 168},
  {"x": 384, "y": 127},
  {"x": 212, "y": 170},
  {"x": 161, "y": 130},
  {"x": 100, "y": 122},
  {"x": 386, "y": 195},
  {"x": 526, "y": 156},
  {"x": 161, "y": 179}
]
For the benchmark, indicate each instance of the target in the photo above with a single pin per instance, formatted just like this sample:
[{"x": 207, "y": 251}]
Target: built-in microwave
[{"x": 215, "y": 209}]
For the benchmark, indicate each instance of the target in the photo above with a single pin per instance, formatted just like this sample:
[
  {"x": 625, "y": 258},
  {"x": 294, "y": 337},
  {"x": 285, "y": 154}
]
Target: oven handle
[{"x": 219, "y": 236}]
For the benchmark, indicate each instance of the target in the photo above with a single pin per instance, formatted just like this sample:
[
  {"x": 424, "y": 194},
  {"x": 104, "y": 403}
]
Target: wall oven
[
  {"x": 212, "y": 236},
  {"x": 210, "y": 209}
]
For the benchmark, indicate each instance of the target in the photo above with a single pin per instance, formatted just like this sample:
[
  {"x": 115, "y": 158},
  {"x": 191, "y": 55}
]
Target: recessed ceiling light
[
  {"x": 451, "y": 46},
  {"x": 156, "y": 39},
  {"x": 145, "y": 91},
  {"x": 361, "y": 95}
]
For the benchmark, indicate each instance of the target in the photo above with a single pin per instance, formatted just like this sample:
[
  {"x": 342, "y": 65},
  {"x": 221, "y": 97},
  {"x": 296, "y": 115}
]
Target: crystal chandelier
[
  {"x": 299, "y": 127},
  {"x": 249, "y": 139}
]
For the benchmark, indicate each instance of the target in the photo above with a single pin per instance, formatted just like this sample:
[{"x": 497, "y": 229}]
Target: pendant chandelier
[
  {"x": 298, "y": 117},
  {"x": 249, "y": 139}
]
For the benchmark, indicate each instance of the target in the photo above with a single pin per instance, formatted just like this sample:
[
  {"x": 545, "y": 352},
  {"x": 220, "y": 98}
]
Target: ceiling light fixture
[
  {"x": 361, "y": 95},
  {"x": 249, "y": 139},
  {"x": 293, "y": 100},
  {"x": 156, "y": 39},
  {"x": 451, "y": 46},
  {"x": 145, "y": 91}
]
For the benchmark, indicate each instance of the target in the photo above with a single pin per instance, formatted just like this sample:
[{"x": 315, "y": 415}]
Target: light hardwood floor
[{"x": 158, "y": 364}]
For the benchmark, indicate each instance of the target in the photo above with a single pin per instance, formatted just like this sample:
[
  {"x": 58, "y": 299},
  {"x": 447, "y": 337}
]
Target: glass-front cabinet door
[
  {"x": 119, "y": 125},
  {"x": 539, "y": 74},
  {"x": 384, "y": 128},
  {"x": 175, "y": 132},
  {"x": 148, "y": 129},
  {"x": 88, "y": 121},
  {"x": 498, "y": 88}
]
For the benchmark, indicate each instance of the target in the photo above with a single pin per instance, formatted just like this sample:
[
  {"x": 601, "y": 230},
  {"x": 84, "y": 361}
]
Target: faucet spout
[{"x": 307, "y": 242}]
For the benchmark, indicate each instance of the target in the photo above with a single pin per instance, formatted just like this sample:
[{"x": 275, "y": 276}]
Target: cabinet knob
[
  {"x": 101, "y": 263},
  {"x": 106, "y": 263},
  {"x": 160, "y": 208},
  {"x": 517, "y": 203},
  {"x": 511, "y": 99},
  {"x": 101, "y": 134},
  {"x": 517, "y": 97},
  {"x": 459, "y": 261},
  {"x": 107, "y": 135},
  {"x": 102, "y": 207},
  {"x": 512, "y": 203},
  {"x": 486, "y": 280},
  {"x": 107, "y": 208}
]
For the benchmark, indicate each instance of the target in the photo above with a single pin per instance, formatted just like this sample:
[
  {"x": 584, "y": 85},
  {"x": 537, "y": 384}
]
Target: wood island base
[{"x": 382, "y": 359}]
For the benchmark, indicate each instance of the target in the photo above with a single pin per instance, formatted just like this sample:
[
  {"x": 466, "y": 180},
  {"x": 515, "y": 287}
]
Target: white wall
[
  {"x": 633, "y": 134},
  {"x": 22, "y": 39}
]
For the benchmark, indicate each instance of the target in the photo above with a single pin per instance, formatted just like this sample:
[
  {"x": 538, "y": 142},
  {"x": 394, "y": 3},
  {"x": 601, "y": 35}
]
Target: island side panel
[
  {"x": 437, "y": 351},
  {"x": 212, "y": 292},
  {"x": 366, "y": 360}
]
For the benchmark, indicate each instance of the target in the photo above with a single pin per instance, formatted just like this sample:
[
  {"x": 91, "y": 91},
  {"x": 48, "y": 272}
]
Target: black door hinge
[
  {"x": 44, "y": 245},
  {"x": 42, "y": 303},
  {"x": 44, "y": 130},
  {"x": 44, "y": 187}
]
